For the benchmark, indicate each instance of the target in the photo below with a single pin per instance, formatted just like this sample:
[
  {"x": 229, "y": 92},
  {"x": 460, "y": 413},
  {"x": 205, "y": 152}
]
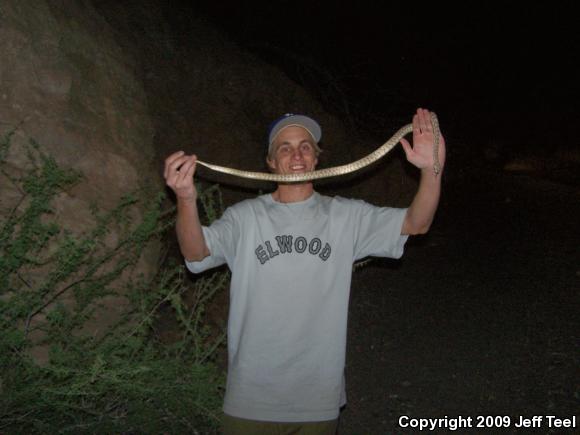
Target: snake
[{"x": 337, "y": 170}]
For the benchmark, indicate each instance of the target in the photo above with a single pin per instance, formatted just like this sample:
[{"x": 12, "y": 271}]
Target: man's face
[{"x": 293, "y": 152}]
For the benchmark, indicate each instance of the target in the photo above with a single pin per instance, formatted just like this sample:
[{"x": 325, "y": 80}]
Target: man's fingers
[
  {"x": 185, "y": 170},
  {"x": 191, "y": 170},
  {"x": 172, "y": 169},
  {"x": 177, "y": 163},
  {"x": 178, "y": 167},
  {"x": 425, "y": 120},
  {"x": 416, "y": 124},
  {"x": 169, "y": 160},
  {"x": 422, "y": 120}
]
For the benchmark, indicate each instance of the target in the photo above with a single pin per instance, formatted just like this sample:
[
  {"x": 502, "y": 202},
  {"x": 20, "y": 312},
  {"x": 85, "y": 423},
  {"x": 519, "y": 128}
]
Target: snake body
[{"x": 337, "y": 170}]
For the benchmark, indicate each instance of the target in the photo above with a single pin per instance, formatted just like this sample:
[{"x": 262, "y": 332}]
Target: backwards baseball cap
[{"x": 289, "y": 120}]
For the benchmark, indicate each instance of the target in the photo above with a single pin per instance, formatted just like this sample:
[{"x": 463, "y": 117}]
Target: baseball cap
[{"x": 291, "y": 119}]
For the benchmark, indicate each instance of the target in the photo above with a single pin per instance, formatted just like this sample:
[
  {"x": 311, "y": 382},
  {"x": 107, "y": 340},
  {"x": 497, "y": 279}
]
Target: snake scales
[{"x": 337, "y": 170}]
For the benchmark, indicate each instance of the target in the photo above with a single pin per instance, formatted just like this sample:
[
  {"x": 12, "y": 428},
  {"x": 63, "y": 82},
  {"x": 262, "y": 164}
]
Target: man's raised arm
[
  {"x": 421, "y": 212},
  {"x": 178, "y": 173}
]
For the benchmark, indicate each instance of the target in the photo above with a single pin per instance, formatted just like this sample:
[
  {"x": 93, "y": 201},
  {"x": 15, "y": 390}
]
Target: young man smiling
[
  {"x": 291, "y": 255},
  {"x": 293, "y": 149}
]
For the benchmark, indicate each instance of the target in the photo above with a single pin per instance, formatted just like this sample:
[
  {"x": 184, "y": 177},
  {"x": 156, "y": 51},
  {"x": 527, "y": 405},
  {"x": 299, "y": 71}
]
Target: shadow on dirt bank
[{"x": 480, "y": 317}]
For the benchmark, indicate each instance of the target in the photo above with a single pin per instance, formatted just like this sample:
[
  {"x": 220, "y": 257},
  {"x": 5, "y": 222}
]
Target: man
[{"x": 291, "y": 255}]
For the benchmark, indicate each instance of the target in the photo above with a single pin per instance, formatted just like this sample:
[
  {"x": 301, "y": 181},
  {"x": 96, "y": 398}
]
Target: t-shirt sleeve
[
  {"x": 220, "y": 238},
  {"x": 378, "y": 231}
]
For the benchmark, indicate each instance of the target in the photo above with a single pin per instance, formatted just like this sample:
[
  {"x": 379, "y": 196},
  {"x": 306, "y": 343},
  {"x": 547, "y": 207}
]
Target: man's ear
[{"x": 271, "y": 163}]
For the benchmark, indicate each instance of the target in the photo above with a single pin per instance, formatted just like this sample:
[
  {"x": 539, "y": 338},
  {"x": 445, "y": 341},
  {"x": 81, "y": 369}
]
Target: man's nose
[{"x": 296, "y": 153}]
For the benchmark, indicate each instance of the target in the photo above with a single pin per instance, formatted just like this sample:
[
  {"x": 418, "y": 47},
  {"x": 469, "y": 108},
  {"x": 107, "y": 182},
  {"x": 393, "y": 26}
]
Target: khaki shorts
[{"x": 241, "y": 426}]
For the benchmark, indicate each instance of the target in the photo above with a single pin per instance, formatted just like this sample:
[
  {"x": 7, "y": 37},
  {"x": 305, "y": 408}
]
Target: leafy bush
[{"x": 52, "y": 282}]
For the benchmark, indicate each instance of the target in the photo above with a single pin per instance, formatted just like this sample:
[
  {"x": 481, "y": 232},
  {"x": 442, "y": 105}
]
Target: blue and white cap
[{"x": 289, "y": 120}]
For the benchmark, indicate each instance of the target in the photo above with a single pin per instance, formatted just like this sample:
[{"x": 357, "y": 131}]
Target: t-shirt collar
[{"x": 306, "y": 209}]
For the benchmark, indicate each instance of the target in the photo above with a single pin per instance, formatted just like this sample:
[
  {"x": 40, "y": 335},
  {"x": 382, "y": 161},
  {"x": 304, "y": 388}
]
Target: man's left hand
[{"x": 421, "y": 153}]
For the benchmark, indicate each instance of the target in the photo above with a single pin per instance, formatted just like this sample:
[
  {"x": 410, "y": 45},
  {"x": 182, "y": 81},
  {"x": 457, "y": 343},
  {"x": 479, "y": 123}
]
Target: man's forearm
[
  {"x": 189, "y": 232},
  {"x": 421, "y": 212}
]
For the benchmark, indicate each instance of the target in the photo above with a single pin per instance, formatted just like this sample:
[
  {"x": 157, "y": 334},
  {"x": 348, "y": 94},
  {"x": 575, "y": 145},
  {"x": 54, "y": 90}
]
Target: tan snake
[{"x": 337, "y": 170}]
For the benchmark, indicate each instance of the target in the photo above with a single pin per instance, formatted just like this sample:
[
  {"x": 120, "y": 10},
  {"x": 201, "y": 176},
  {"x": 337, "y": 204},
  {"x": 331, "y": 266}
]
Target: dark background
[
  {"x": 480, "y": 315},
  {"x": 498, "y": 76}
]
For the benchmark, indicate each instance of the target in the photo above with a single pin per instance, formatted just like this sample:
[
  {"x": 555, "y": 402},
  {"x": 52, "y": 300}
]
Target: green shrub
[{"x": 121, "y": 380}]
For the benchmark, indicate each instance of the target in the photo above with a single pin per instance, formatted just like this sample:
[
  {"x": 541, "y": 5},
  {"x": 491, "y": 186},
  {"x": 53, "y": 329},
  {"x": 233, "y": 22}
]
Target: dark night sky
[{"x": 494, "y": 73}]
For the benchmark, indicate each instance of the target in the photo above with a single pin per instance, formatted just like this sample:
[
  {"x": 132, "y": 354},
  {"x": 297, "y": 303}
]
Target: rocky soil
[{"x": 479, "y": 318}]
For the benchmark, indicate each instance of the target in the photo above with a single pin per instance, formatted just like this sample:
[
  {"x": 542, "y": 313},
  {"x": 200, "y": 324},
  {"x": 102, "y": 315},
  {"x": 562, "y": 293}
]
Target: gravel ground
[{"x": 479, "y": 318}]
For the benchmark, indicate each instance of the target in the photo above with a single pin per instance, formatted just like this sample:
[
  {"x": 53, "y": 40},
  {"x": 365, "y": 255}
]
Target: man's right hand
[{"x": 179, "y": 170}]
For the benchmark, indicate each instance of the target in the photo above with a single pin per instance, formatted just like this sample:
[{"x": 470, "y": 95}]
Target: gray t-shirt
[{"x": 291, "y": 269}]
